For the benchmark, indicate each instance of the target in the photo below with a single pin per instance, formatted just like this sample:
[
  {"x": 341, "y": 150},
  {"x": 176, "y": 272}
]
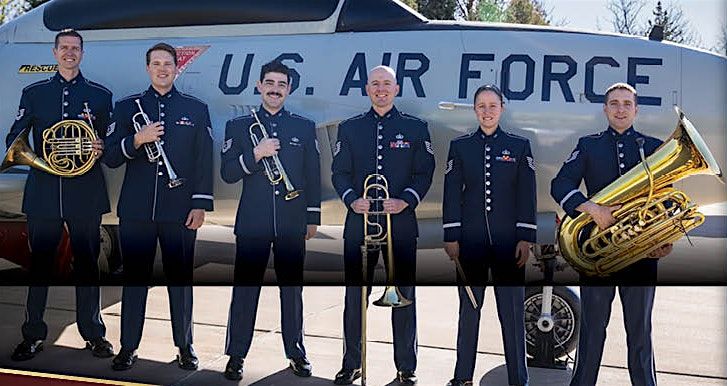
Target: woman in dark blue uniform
[{"x": 489, "y": 225}]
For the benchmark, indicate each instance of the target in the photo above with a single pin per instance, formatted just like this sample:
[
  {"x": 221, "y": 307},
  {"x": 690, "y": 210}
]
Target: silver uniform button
[
  {"x": 487, "y": 165},
  {"x": 379, "y": 167},
  {"x": 275, "y": 133},
  {"x": 380, "y": 147},
  {"x": 487, "y": 191},
  {"x": 65, "y": 103},
  {"x": 487, "y": 174},
  {"x": 621, "y": 155},
  {"x": 622, "y": 165},
  {"x": 162, "y": 122},
  {"x": 161, "y": 105},
  {"x": 161, "y": 114},
  {"x": 620, "y": 145},
  {"x": 488, "y": 200},
  {"x": 277, "y": 192},
  {"x": 65, "y": 92},
  {"x": 160, "y": 163},
  {"x": 161, "y": 142},
  {"x": 487, "y": 183},
  {"x": 488, "y": 209},
  {"x": 161, "y": 174},
  {"x": 65, "y": 115},
  {"x": 487, "y": 148},
  {"x": 380, "y": 156},
  {"x": 381, "y": 137},
  {"x": 487, "y": 157}
]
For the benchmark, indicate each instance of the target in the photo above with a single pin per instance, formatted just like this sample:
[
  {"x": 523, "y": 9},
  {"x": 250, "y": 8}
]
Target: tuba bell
[
  {"x": 67, "y": 150},
  {"x": 652, "y": 213}
]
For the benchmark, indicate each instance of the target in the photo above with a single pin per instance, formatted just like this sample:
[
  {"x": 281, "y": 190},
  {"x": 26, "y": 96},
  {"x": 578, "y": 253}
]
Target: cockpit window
[
  {"x": 114, "y": 14},
  {"x": 377, "y": 15}
]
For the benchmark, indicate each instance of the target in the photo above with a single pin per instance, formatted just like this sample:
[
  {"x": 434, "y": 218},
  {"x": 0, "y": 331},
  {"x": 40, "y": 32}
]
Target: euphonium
[
  {"x": 652, "y": 212},
  {"x": 67, "y": 149},
  {"x": 273, "y": 167}
]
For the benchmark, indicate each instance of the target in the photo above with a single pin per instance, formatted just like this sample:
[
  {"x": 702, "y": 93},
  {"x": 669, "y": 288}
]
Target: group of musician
[{"x": 164, "y": 139}]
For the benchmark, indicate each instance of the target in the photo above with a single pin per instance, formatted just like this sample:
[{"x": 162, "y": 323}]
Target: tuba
[
  {"x": 380, "y": 234},
  {"x": 652, "y": 213},
  {"x": 273, "y": 167},
  {"x": 67, "y": 149}
]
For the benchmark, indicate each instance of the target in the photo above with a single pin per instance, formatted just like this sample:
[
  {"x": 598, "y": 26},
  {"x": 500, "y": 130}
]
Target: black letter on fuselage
[
  {"x": 464, "y": 70},
  {"x": 358, "y": 65},
  {"x": 634, "y": 79},
  {"x": 590, "y": 65},
  {"x": 413, "y": 74},
  {"x": 294, "y": 75},
  {"x": 529, "y": 77},
  {"x": 561, "y": 78},
  {"x": 227, "y": 90}
]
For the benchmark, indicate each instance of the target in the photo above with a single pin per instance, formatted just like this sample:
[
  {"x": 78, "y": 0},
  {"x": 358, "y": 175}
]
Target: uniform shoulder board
[
  {"x": 193, "y": 98},
  {"x": 464, "y": 136},
  {"x": 241, "y": 117},
  {"x": 36, "y": 84},
  {"x": 133, "y": 96},
  {"x": 98, "y": 85},
  {"x": 294, "y": 115},
  {"x": 405, "y": 115},
  {"x": 352, "y": 119},
  {"x": 596, "y": 135},
  {"x": 515, "y": 136}
]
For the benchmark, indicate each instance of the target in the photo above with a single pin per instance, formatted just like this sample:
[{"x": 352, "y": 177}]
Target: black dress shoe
[
  {"x": 459, "y": 382},
  {"x": 124, "y": 360},
  {"x": 27, "y": 350},
  {"x": 347, "y": 376},
  {"x": 406, "y": 378},
  {"x": 100, "y": 347},
  {"x": 301, "y": 367},
  {"x": 233, "y": 370},
  {"x": 187, "y": 359}
]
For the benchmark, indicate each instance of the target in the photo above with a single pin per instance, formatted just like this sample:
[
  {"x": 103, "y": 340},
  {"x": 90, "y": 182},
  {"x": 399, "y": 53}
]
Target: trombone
[
  {"x": 373, "y": 241},
  {"x": 273, "y": 169},
  {"x": 155, "y": 150}
]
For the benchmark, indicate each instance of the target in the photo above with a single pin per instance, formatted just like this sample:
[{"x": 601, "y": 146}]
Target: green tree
[
  {"x": 438, "y": 9},
  {"x": 526, "y": 12},
  {"x": 676, "y": 25},
  {"x": 412, "y": 4},
  {"x": 491, "y": 10}
]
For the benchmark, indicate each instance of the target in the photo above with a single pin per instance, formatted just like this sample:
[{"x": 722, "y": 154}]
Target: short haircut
[
  {"x": 621, "y": 86},
  {"x": 491, "y": 88},
  {"x": 274, "y": 66},
  {"x": 68, "y": 32},
  {"x": 161, "y": 47},
  {"x": 385, "y": 68}
]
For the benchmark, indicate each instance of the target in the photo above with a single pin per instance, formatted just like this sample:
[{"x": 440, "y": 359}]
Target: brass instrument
[
  {"x": 67, "y": 149},
  {"x": 373, "y": 241},
  {"x": 154, "y": 150},
  {"x": 652, "y": 212},
  {"x": 273, "y": 167}
]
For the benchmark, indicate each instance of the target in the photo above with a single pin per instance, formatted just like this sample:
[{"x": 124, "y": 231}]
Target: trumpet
[
  {"x": 273, "y": 167},
  {"x": 154, "y": 150},
  {"x": 373, "y": 241}
]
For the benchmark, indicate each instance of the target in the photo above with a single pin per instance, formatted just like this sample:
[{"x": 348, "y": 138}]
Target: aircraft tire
[{"x": 566, "y": 313}]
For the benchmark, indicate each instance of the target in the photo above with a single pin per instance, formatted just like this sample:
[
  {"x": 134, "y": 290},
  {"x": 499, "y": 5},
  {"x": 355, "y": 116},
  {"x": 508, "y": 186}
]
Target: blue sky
[{"x": 705, "y": 16}]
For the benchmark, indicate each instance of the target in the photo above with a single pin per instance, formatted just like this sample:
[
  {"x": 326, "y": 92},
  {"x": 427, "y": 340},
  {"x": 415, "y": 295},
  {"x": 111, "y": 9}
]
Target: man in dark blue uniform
[
  {"x": 600, "y": 159},
  {"x": 267, "y": 217},
  {"x": 50, "y": 201},
  {"x": 489, "y": 213},
  {"x": 154, "y": 206},
  {"x": 383, "y": 141}
]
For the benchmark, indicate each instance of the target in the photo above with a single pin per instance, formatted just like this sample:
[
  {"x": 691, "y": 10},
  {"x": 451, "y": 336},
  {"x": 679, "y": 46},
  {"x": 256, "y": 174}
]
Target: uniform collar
[
  {"x": 152, "y": 91},
  {"x": 393, "y": 113},
  {"x": 281, "y": 113},
  {"x": 79, "y": 78},
  {"x": 491, "y": 137},
  {"x": 630, "y": 131}
]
